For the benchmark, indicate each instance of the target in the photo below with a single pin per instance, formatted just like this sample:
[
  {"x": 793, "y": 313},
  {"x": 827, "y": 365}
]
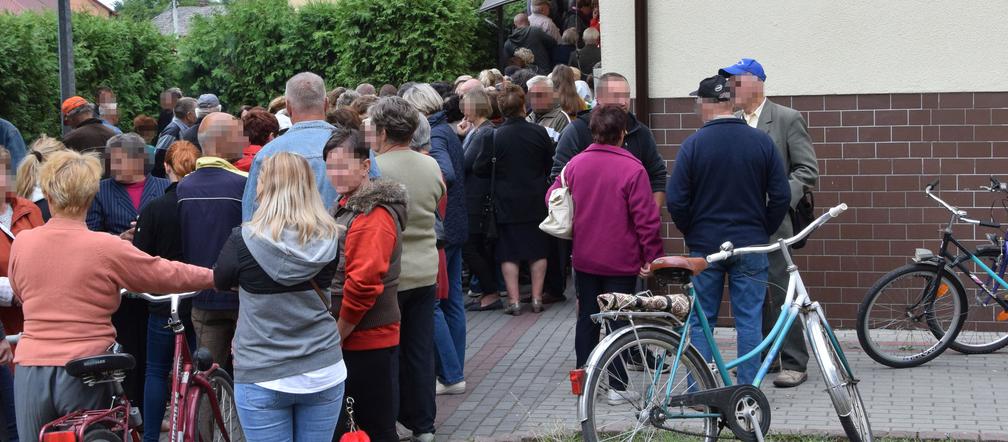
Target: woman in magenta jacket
[{"x": 616, "y": 222}]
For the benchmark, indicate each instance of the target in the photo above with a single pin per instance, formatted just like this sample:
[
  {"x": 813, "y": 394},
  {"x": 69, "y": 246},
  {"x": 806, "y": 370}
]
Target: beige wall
[{"x": 816, "y": 47}]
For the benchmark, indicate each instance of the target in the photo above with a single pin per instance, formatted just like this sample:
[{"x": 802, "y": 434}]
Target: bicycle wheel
[
  {"x": 625, "y": 405},
  {"x": 901, "y": 325},
  {"x": 840, "y": 385},
  {"x": 207, "y": 428},
  {"x": 982, "y": 332}
]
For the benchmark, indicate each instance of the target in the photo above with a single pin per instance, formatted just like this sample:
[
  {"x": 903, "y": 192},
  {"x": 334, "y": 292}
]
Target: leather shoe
[{"x": 790, "y": 378}]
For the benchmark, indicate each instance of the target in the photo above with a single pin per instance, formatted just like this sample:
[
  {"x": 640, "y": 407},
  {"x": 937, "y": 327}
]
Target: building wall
[
  {"x": 876, "y": 153},
  {"x": 91, "y": 7},
  {"x": 816, "y": 47}
]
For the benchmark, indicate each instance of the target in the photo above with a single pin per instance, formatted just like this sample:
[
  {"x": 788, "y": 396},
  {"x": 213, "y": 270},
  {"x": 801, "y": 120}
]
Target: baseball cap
[
  {"x": 72, "y": 103},
  {"x": 744, "y": 66},
  {"x": 207, "y": 101},
  {"x": 715, "y": 87}
]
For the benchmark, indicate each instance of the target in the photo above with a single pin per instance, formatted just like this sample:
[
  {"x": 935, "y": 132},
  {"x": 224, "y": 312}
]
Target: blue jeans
[
  {"x": 450, "y": 323},
  {"x": 160, "y": 351},
  {"x": 272, "y": 416},
  {"x": 747, "y": 275}
]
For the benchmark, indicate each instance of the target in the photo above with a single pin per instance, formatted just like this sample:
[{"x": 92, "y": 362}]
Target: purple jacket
[{"x": 616, "y": 220}]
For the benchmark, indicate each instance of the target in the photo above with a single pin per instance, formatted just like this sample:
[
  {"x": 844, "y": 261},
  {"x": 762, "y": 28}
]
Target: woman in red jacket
[
  {"x": 16, "y": 215},
  {"x": 366, "y": 283}
]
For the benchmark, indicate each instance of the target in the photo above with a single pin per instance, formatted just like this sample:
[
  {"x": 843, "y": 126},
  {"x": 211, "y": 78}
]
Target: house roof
[
  {"x": 18, "y": 6},
  {"x": 163, "y": 21}
]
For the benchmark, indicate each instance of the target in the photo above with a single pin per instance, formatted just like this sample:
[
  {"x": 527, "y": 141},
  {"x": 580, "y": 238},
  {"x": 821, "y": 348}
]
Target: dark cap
[
  {"x": 207, "y": 101},
  {"x": 715, "y": 87}
]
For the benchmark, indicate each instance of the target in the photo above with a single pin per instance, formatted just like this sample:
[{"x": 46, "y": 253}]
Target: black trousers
[
  {"x": 130, "y": 322},
  {"x": 416, "y": 359},
  {"x": 556, "y": 266},
  {"x": 478, "y": 255},
  {"x": 586, "y": 332},
  {"x": 373, "y": 383}
]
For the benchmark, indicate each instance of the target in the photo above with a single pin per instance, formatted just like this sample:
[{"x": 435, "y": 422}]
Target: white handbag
[{"x": 560, "y": 220}]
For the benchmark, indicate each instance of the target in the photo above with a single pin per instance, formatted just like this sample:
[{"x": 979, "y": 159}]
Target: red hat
[{"x": 72, "y": 103}]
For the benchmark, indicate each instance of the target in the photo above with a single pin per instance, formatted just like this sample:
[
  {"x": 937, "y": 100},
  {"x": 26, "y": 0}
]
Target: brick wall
[{"x": 876, "y": 153}]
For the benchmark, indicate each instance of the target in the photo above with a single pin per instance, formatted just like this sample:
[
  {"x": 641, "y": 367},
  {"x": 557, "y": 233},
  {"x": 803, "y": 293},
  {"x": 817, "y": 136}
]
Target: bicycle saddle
[
  {"x": 669, "y": 266},
  {"x": 100, "y": 364}
]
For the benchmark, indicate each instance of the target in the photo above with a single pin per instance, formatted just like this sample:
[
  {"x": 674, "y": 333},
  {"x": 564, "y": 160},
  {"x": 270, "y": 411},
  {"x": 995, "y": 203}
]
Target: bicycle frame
[{"x": 187, "y": 384}]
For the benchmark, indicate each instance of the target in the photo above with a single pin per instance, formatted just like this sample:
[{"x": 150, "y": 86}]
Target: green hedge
[
  {"x": 246, "y": 54},
  {"x": 129, "y": 57}
]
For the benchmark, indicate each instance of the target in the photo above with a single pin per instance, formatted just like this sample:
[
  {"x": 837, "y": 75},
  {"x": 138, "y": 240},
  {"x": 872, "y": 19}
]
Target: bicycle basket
[{"x": 677, "y": 304}]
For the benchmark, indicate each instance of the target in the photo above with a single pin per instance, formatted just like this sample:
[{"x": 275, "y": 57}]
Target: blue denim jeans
[
  {"x": 747, "y": 275},
  {"x": 272, "y": 416},
  {"x": 160, "y": 351},
  {"x": 450, "y": 323}
]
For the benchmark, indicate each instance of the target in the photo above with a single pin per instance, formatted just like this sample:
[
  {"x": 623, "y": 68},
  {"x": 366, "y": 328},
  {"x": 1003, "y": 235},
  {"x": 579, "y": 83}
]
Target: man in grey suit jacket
[{"x": 789, "y": 132}]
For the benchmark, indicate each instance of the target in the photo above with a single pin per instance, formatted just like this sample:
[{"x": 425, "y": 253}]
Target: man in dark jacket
[
  {"x": 185, "y": 116},
  {"x": 210, "y": 206},
  {"x": 587, "y": 57},
  {"x": 537, "y": 41},
  {"x": 206, "y": 104},
  {"x": 729, "y": 184},
  {"x": 88, "y": 132},
  {"x": 614, "y": 88}
]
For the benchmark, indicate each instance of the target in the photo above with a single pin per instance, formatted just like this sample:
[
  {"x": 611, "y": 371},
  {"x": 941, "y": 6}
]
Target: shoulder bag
[{"x": 560, "y": 220}]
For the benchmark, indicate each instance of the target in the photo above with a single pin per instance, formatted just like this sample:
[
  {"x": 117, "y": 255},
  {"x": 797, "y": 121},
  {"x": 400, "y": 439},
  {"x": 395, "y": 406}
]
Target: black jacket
[
  {"x": 585, "y": 59},
  {"x": 639, "y": 141},
  {"x": 537, "y": 41},
  {"x": 158, "y": 233},
  {"x": 524, "y": 152},
  {"x": 477, "y": 187}
]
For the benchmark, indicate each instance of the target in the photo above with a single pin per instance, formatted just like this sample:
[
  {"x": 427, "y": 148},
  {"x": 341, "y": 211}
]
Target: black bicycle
[{"x": 912, "y": 314}]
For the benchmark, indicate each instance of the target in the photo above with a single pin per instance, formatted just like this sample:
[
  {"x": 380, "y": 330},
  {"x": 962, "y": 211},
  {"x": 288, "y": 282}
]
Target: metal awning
[{"x": 490, "y": 4}]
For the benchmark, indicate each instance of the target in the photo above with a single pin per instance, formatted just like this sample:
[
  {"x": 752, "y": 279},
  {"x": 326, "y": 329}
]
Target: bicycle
[
  {"x": 986, "y": 327},
  {"x": 678, "y": 391},
  {"x": 202, "y": 395},
  {"x": 915, "y": 312}
]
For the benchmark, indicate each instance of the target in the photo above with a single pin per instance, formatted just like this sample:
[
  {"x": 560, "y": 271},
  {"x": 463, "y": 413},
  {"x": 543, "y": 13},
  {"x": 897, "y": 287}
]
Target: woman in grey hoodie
[{"x": 289, "y": 370}]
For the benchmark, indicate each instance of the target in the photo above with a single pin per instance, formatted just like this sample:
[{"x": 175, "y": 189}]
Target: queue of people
[{"x": 329, "y": 236}]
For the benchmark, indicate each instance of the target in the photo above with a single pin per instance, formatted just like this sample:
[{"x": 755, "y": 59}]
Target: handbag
[
  {"x": 801, "y": 216},
  {"x": 559, "y": 221},
  {"x": 354, "y": 433}
]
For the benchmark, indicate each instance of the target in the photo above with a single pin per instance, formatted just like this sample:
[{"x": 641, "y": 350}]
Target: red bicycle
[{"x": 202, "y": 396}]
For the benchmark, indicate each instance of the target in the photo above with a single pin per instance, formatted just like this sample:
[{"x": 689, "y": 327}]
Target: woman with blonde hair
[
  {"x": 570, "y": 101},
  {"x": 26, "y": 185},
  {"x": 288, "y": 366},
  {"x": 491, "y": 77},
  {"x": 70, "y": 316}
]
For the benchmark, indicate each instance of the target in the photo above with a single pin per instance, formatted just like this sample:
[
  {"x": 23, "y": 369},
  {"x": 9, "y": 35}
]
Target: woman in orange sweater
[
  {"x": 70, "y": 316},
  {"x": 366, "y": 283}
]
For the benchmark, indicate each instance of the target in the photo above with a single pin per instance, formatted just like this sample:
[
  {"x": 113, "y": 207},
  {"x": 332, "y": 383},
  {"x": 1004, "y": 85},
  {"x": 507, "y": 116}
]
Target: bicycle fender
[{"x": 596, "y": 355}]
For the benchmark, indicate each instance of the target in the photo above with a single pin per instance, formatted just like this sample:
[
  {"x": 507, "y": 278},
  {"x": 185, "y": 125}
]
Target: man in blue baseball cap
[{"x": 789, "y": 133}]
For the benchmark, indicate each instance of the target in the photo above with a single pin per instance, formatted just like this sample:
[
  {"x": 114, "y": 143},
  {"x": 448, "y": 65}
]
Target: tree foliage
[
  {"x": 246, "y": 54},
  {"x": 129, "y": 57}
]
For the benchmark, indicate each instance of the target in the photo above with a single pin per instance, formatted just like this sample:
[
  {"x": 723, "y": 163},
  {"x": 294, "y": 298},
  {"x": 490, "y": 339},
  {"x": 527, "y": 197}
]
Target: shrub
[{"x": 129, "y": 57}]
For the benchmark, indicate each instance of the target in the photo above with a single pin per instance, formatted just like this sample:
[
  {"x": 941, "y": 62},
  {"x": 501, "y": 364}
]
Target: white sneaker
[
  {"x": 617, "y": 397},
  {"x": 456, "y": 388},
  {"x": 403, "y": 432}
]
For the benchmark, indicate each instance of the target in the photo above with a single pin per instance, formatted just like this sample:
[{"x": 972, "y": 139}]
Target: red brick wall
[{"x": 876, "y": 153}]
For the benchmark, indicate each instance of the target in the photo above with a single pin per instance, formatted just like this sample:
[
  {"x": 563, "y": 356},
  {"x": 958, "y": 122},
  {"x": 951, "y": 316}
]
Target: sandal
[
  {"x": 513, "y": 309},
  {"x": 537, "y": 306}
]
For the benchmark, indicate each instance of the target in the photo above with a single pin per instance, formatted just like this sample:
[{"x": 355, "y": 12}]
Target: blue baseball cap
[{"x": 744, "y": 66}]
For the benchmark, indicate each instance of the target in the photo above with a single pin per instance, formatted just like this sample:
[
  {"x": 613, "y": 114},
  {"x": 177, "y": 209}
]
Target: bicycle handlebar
[
  {"x": 156, "y": 298},
  {"x": 957, "y": 212},
  {"x": 728, "y": 250}
]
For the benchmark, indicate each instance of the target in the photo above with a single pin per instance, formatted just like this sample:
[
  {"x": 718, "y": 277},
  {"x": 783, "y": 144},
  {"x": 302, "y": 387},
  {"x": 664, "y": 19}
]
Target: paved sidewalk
[{"x": 518, "y": 387}]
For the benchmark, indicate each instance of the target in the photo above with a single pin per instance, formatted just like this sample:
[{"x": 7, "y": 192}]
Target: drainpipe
[{"x": 641, "y": 61}]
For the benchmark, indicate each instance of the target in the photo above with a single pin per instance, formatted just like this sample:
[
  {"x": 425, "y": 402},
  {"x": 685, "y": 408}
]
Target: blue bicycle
[{"x": 646, "y": 378}]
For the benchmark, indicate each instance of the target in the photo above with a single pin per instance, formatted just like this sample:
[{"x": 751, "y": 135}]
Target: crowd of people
[{"x": 331, "y": 232}]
